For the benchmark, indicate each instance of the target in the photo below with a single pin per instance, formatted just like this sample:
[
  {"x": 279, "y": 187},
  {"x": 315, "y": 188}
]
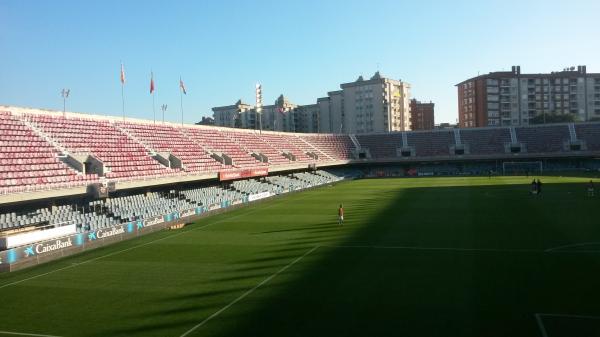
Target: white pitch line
[
  {"x": 250, "y": 291},
  {"x": 540, "y": 322},
  {"x": 538, "y": 318},
  {"x": 571, "y": 245},
  {"x": 493, "y": 250},
  {"x": 570, "y": 316},
  {"x": 24, "y": 334},
  {"x": 131, "y": 248}
]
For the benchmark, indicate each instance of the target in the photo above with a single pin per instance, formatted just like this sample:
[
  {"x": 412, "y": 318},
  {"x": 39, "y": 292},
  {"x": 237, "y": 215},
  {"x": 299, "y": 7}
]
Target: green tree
[{"x": 553, "y": 118}]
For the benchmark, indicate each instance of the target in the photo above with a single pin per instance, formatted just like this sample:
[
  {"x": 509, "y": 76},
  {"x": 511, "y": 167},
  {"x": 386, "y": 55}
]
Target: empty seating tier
[
  {"x": 485, "y": 141},
  {"x": 590, "y": 133},
  {"x": 285, "y": 143},
  {"x": 28, "y": 162},
  {"x": 305, "y": 147},
  {"x": 544, "y": 139},
  {"x": 430, "y": 144},
  {"x": 166, "y": 138},
  {"x": 117, "y": 210},
  {"x": 124, "y": 157},
  {"x": 253, "y": 144},
  {"x": 338, "y": 147},
  {"x": 215, "y": 141},
  {"x": 34, "y": 145},
  {"x": 381, "y": 145}
]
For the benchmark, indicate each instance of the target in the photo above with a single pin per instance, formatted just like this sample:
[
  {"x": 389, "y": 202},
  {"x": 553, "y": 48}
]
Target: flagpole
[
  {"x": 181, "y": 103},
  {"x": 123, "y": 98},
  {"x": 152, "y": 93}
]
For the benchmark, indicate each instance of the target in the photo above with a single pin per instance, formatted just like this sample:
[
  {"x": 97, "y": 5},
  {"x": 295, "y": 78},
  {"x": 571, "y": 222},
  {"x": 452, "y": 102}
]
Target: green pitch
[{"x": 416, "y": 257}]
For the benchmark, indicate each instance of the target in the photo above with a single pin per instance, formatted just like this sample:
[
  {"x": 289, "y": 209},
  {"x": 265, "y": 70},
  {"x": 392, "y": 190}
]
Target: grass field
[{"x": 416, "y": 257}]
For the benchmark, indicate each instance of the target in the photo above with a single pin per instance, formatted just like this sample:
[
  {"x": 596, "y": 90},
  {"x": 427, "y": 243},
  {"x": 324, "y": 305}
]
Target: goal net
[{"x": 522, "y": 167}]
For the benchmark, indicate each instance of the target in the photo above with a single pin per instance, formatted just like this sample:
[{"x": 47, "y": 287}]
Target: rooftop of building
[
  {"x": 236, "y": 105},
  {"x": 572, "y": 72},
  {"x": 375, "y": 79}
]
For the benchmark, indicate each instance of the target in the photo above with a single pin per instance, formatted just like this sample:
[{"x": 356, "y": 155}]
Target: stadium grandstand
[
  {"x": 49, "y": 154},
  {"x": 71, "y": 182},
  {"x": 43, "y": 150},
  {"x": 299, "y": 168}
]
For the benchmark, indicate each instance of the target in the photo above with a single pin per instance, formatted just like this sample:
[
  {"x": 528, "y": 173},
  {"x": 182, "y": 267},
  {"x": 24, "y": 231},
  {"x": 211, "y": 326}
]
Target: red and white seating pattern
[
  {"x": 124, "y": 157},
  {"x": 285, "y": 143},
  {"x": 338, "y": 147},
  {"x": 215, "y": 141},
  {"x": 252, "y": 143},
  {"x": 29, "y": 162},
  {"x": 166, "y": 138},
  {"x": 305, "y": 147}
]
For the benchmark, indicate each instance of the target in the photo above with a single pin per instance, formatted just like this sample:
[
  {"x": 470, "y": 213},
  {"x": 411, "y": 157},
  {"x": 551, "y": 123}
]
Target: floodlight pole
[
  {"x": 163, "y": 108},
  {"x": 259, "y": 105},
  {"x": 65, "y": 94}
]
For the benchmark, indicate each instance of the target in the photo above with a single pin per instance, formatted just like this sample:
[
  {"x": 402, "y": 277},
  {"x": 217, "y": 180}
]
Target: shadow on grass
[
  {"x": 311, "y": 229},
  {"x": 339, "y": 291}
]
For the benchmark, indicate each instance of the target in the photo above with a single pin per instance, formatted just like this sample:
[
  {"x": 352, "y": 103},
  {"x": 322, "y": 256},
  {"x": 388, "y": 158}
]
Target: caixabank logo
[
  {"x": 28, "y": 251},
  {"x": 47, "y": 247},
  {"x": 188, "y": 212},
  {"x": 106, "y": 233},
  {"x": 154, "y": 221}
]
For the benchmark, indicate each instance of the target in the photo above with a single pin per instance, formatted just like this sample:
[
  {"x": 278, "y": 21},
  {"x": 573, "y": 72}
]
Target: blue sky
[{"x": 301, "y": 48}]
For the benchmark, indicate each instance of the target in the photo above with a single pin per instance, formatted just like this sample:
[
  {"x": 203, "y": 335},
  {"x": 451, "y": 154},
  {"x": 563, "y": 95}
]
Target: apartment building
[
  {"x": 377, "y": 104},
  {"x": 512, "y": 98},
  {"x": 422, "y": 115}
]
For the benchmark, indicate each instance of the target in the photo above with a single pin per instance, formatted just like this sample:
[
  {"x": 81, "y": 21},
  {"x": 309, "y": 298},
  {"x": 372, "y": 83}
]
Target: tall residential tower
[{"x": 511, "y": 98}]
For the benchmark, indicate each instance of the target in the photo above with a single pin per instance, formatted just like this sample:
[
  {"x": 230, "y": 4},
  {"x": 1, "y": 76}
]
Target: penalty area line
[
  {"x": 571, "y": 246},
  {"x": 570, "y": 316},
  {"x": 540, "y": 322},
  {"x": 492, "y": 250},
  {"x": 250, "y": 291},
  {"x": 539, "y": 317}
]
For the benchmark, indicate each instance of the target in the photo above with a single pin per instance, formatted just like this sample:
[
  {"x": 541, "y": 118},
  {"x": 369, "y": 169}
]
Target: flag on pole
[
  {"x": 182, "y": 86},
  {"x": 122, "y": 74},
  {"x": 151, "y": 83}
]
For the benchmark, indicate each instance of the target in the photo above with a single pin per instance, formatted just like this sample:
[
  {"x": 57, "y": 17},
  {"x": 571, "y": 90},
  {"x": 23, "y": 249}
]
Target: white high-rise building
[{"x": 378, "y": 104}]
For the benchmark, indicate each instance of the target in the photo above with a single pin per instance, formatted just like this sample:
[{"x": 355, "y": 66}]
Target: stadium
[
  {"x": 118, "y": 226},
  {"x": 299, "y": 168}
]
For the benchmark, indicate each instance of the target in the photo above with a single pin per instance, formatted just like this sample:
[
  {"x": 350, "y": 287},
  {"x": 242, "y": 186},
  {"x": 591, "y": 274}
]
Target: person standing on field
[
  {"x": 533, "y": 187},
  {"x": 590, "y": 189},
  {"x": 341, "y": 215}
]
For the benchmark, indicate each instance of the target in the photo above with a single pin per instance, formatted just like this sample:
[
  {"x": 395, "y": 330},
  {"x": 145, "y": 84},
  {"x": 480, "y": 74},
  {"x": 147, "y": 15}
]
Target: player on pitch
[{"x": 341, "y": 215}]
